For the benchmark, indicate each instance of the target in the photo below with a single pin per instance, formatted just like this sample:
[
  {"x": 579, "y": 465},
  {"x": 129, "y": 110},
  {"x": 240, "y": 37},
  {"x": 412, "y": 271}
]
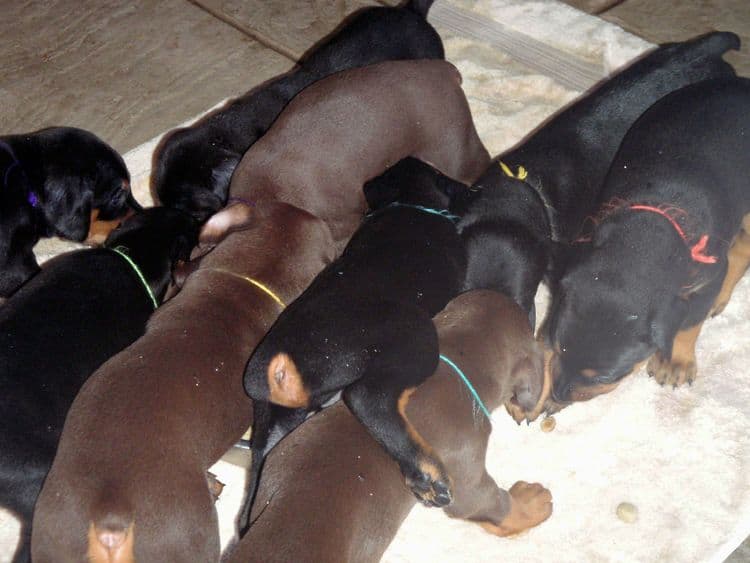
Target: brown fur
[
  {"x": 329, "y": 493},
  {"x": 350, "y": 127},
  {"x": 145, "y": 428}
]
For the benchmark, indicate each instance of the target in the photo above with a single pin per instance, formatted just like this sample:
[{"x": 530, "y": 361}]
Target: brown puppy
[
  {"x": 329, "y": 493},
  {"x": 129, "y": 480},
  {"x": 350, "y": 127}
]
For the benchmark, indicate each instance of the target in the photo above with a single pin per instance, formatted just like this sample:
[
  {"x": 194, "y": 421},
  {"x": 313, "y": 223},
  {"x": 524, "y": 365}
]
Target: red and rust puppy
[
  {"x": 193, "y": 165},
  {"x": 82, "y": 308},
  {"x": 657, "y": 258},
  {"x": 349, "y": 127},
  {"x": 129, "y": 479},
  {"x": 330, "y": 493},
  {"x": 56, "y": 182}
]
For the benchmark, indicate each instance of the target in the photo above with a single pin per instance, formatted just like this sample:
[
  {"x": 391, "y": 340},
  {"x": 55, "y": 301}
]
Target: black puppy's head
[
  {"x": 156, "y": 239},
  {"x": 413, "y": 182},
  {"x": 192, "y": 171},
  {"x": 604, "y": 322},
  {"x": 76, "y": 174}
]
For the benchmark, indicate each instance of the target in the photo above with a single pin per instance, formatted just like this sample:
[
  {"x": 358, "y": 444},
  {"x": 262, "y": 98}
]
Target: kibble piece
[
  {"x": 627, "y": 512},
  {"x": 548, "y": 424}
]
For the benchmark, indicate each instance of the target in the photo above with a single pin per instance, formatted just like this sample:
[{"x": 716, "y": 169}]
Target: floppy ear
[
  {"x": 666, "y": 323},
  {"x": 232, "y": 218},
  {"x": 221, "y": 175},
  {"x": 67, "y": 211},
  {"x": 602, "y": 233}
]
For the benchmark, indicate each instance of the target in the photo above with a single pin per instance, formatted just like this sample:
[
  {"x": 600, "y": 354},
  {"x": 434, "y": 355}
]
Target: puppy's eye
[{"x": 589, "y": 372}]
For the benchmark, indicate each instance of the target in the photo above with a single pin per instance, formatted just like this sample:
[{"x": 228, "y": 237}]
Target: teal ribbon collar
[
  {"x": 477, "y": 401},
  {"x": 444, "y": 213}
]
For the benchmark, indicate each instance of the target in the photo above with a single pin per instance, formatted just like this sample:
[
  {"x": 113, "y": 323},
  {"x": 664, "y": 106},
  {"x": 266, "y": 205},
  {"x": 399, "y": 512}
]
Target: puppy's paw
[
  {"x": 530, "y": 505},
  {"x": 718, "y": 307},
  {"x": 429, "y": 482},
  {"x": 675, "y": 372}
]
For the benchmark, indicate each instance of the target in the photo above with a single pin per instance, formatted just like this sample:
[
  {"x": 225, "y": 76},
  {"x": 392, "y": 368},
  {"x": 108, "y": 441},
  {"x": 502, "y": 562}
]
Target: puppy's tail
[
  {"x": 421, "y": 7},
  {"x": 262, "y": 420},
  {"x": 271, "y": 423},
  {"x": 111, "y": 534},
  {"x": 718, "y": 42}
]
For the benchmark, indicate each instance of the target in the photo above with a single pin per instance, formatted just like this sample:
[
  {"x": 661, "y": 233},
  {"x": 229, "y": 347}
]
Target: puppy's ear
[
  {"x": 232, "y": 218},
  {"x": 67, "y": 211},
  {"x": 602, "y": 233},
  {"x": 221, "y": 175},
  {"x": 666, "y": 323}
]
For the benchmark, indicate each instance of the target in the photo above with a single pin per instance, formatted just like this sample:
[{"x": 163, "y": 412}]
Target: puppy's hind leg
[
  {"x": 271, "y": 423},
  {"x": 738, "y": 261},
  {"x": 379, "y": 398},
  {"x": 500, "y": 512}
]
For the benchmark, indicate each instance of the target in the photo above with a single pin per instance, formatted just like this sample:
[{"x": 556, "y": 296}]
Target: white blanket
[{"x": 681, "y": 456}]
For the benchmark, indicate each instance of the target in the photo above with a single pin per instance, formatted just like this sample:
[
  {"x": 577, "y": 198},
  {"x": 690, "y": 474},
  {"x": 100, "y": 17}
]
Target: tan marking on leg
[
  {"x": 427, "y": 462},
  {"x": 681, "y": 368},
  {"x": 111, "y": 546},
  {"x": 403, "y": 401},
  {"x": 738, "y": 259},
  {"x": 285, "y": 384},
  {"x": 530, "y": 505}
]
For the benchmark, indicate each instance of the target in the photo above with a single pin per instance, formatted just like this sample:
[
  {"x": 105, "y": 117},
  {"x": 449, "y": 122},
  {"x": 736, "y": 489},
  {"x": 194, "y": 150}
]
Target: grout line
[
  {"x": 274, "y": 46},
  {"x": 559, "y": 65}
]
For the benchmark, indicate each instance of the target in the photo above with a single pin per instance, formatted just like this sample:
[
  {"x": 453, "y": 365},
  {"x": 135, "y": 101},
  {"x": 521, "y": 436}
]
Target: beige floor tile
[{"x": 127, "y": 70}]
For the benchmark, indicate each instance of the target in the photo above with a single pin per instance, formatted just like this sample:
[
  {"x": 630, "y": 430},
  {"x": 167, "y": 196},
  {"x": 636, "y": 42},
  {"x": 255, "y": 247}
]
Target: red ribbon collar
[
  {"x": 671, "y": 214},
  {"x": 697, "y": 250}
]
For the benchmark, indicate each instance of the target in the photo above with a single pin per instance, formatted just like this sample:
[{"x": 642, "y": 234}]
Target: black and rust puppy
[
  {"x": 537, "y": 194},
  {"x": 193, "y": 165},
  {"x": 53, "y": 180},
  {"x": 352, "y": 329},
  {"x": 657, "y": 257},
  {"x": 330, "y": 472},
  {"x": 83, "y": 307}
]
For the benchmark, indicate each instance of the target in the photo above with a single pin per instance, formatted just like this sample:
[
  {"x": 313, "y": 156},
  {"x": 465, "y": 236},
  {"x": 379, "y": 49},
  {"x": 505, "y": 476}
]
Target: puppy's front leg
[{"x": 379, "y": 401}]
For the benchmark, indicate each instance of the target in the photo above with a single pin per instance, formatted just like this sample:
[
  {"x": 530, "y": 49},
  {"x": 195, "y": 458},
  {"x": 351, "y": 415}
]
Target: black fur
[
  {"x": 82, "y": 308},
  {"x": 512, "y": 228},
  {"x": 627, "y": 292},
  {"x": 364, "y": 325},
  {"x": 51, "y": 181},
  {"x": 193, "y": 165}
]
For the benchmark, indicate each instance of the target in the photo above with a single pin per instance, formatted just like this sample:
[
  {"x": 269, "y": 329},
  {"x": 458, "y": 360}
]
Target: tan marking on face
[
  {"x": 111, "y": 546},
  {"x": 285, "y": 384},
  {"x": 99, "y": 230},
  {"x": 589, "y": 372},
  {"x": 588, "y": 392}
]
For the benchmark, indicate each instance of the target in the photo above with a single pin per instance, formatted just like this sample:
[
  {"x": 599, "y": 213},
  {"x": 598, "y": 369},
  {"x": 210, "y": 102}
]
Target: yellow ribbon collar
[
  {"x": 520, "y": 175},
  {"x": 264, "y": 288}
]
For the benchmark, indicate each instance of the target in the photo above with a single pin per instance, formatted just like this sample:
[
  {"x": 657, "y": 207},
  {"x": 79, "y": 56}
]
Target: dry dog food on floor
[
  {"x": 627, "y": 512},
  {"x": 548, "y": 424}
]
